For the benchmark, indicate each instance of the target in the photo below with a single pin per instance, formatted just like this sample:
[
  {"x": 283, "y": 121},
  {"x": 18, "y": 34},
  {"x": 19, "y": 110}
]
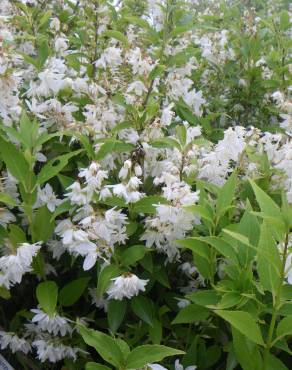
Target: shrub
[{"x": 146, "y": 184}]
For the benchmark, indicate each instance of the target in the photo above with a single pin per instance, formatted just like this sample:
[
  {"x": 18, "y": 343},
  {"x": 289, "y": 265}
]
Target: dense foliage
[{"x": 146, "y": 184}]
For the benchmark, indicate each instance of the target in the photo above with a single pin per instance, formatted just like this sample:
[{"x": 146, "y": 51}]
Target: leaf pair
[{"x": 117, "y": 353}]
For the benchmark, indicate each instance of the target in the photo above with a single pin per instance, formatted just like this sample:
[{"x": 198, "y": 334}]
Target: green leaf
[
  {"x": 14, "y": 160},
  {"x": 138, "y": 21},
  {"x": 244, "y": 323},
  {"x": 158, "y": 70},
  {"x": 105, "y": 149},
  {"x": 95, "y": 366},
  {"x": 186, "y": 114},
  {"x": 146, "y": 204},
  {"x": 43, "y": 226},
  {"x": 181, "y": 133},
  {"x": 28, "y": 130},
  {"x": 16, "y": 235},
  {"x": 222, "y": 246},
  {"x": 4, "y": 293},
  {"x": 105, "y": 345},
  {"x": 284, "y": 20},
  {"x": 116, "y": 35},
  {"x": 43, "y": 51},
  {"x": 201, "y": 211},
  {"x": 30, "y": 60},
  {"x": 166, "y": 142},
  {"x": 65, "y": 181},
  {"x": 202, "y": 256},
  {"x": 147, "y": 354},
  {"x": 155, "y": 332},
  {"x": 7, "y": 199},
  {"x": 268, "y": 260},
  {"x": 276, "y": 225},
  {"x": 112, "y": 145},
  {"x": 226, "y": 194},
  {"x": 72, "y": 291},
  {"x": 197, "y": 246},
  {"x": 47, "y": 295},
  {"x": 204, "y": 297},
  {"x": 247, "y": 352},
  {"x": 142, "y": 307},
  {"x": 133, "y": 254},
  {"x": 275, "y": 364},
  {"x": 284, "y": 327},
  {"x": 45, "y": 18},
  {"x": 229, "y": 300},
  {"x": 84, "y": 140},
  {"x": 266, "y": 203},
  {"x": 54, "y": 166},
  {"x": 123, "y": 346},
  {"x": 191, "y": 313},
  {"x": 44, "y": 137},
  {"x": 115, "y": 313},
  {"x": 62, "y": 208},
  {"x": 114, "y": 201},
  {"x": 250, "y": 228},
  {"x": 106, "y": 274}
]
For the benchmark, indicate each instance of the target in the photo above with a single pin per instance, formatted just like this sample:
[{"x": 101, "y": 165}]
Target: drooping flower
[
  {"x": 54, "y": 324},
  {"x": 53, "y": 351},
  {"x": 46, "y": 196},
  {"x": 15, "y": 343},
  {"x": 127, "y": 285},
  {"x": 179, "y": 366},
  {"x": 14, "y": 266}
]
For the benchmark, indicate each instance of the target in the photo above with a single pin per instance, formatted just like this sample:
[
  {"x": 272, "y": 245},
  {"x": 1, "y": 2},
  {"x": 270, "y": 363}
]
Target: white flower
[
  {"x": 195, "y": 99},
  {"x": 138, "y": 87},
  {"x": 138, "y": 170},
  {"x": 99, "y": 302},
  {"x": 123, "y": 174},
  {"x": 126, "y": 286},
  {"x": 111, "y": 57},
  {"x": 14, "y": 266},
  {"x": 182, "y": 303},
  {"x": 61, "y": 44},
  {"x": 178, "y": 366},
  {"x": 94, "y": 176},
  {"x": 51, "y": 82},
  {"x": 6, "y": 217},
  {"x": 156, "y": 367},
  {"x": 77, "y": 195},
  {"x": 288, "y": 268},
  {"x": 278, "y": 97},
  {"x": 55, "y": 24},
  {"x": 54, "y": 352},
  {"x": 141, "y": 66},
  {"x": 53, "y": 324},
  {"x": 15, "y": 343},
  {"x": 47, "y": 197},
  {"x": 287, "y": 123},
  {"x": 167, "y": 115},
  {"x": 128, "y": 191}
]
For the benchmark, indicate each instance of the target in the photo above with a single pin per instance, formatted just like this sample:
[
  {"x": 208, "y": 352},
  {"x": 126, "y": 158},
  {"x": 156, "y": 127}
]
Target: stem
[{"x": 276, "y": 305}]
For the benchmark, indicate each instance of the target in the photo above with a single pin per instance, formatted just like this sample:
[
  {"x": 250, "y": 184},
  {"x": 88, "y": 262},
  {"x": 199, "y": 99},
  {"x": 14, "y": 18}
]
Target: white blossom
[
  {"x": 46, "y": 196},
  {"x": 54, "y": 352},
  {"x": 14, "y": 266},
  {"x": 126, "y": 286},
  {"x": 54, "y": 324},
  {"x": 15, "y": 343}
]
